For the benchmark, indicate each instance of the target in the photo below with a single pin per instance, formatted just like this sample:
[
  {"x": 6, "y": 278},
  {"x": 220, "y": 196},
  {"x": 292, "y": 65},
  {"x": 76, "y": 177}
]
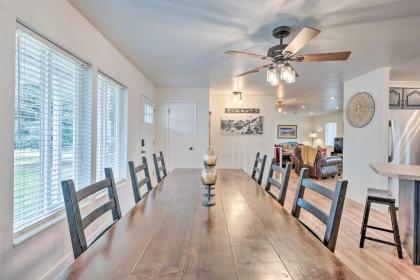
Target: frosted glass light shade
[
  {"x": 273, "y": 77},
  {"x": 287, "y": 74}
]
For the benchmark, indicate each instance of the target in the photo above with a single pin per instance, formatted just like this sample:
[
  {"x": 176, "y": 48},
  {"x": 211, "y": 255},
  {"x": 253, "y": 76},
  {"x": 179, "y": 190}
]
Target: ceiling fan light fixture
[
  {"x": 287, "y": 74},
  {"x": 273, "y": 77}
]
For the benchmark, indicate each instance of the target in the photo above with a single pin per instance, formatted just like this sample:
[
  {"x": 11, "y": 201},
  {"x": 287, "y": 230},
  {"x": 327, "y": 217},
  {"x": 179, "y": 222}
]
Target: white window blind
[
  {"x": 112, "y": 128},
  {"x": 330, "y": 133},
  {"x": 52, "y": 127},
  {"x": 148, "y": 113}
]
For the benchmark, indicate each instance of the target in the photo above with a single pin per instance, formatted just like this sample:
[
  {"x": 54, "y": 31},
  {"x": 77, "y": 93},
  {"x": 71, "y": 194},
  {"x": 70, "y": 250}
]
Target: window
[
  {"x": 148, "y": 113},
  {"x": 52, "y": 130},
  {"x": 112, "y": 128},
  {"x": 330, "y": 133}
]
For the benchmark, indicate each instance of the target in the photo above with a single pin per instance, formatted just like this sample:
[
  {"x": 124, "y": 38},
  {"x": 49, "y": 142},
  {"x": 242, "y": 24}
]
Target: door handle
[
  {"x": 143, "y": 151},
  {"x": 191, "y": 148}
]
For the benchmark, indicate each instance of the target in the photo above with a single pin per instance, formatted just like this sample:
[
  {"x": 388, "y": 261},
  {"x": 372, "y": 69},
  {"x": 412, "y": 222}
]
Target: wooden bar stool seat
[{"x": 381, "y": 197}]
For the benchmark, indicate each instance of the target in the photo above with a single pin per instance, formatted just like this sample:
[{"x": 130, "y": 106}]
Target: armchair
[{"x": 322, "y": 167}]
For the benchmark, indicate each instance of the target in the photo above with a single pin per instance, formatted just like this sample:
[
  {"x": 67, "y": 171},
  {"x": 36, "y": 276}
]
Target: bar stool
[{"x": 387, "y": 198}]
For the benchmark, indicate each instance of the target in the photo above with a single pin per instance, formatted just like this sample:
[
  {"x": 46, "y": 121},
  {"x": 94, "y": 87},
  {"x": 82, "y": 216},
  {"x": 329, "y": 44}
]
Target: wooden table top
[
  {"x": 170, "y": 235},
  {"x": 401, "y": 171}
]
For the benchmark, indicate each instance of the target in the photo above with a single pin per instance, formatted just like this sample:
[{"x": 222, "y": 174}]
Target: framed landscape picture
[
  {"x": 286, "y": 131},
  {"x": 242, "y": 125}
]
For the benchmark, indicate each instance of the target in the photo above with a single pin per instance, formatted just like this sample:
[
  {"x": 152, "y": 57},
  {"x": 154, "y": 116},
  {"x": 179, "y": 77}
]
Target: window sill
[
  {"x": 44, "y": 224},
  {"x": 36, "y": 228}
]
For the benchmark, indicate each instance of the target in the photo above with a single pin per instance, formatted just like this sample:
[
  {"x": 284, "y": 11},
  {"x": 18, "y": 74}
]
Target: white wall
[
  {"x": 368, "y": 144},
  {"x": 318, "y": 126},
  {"x": 50, "y": 251},
  {"x": 238, "y": 151},
  {"x": 200, "y": 96}
]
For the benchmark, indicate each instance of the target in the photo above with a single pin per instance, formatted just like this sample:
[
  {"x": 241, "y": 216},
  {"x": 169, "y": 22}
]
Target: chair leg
[
  {"x": 364, "y": 224},
  {"x": 396, "y": 230}
]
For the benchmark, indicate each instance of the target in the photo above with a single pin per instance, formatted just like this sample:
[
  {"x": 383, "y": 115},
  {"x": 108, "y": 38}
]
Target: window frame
[
  {"x": 147, "y": 114},
  {"x": 99, "y": 144},
  {"x": 81, "y": 103},
  {"x": 327, "y": 131}
]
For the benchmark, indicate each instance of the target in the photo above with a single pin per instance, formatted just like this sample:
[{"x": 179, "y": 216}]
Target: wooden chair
[
  {"x": 331, "y": 220},
  {"x": 160, "y": 168},
  {"x": 77, "y": 223},
  {"x": 258, "y": 170},
  {"x": 135, "y": 183},
  {"x": 282, "y": 185}
]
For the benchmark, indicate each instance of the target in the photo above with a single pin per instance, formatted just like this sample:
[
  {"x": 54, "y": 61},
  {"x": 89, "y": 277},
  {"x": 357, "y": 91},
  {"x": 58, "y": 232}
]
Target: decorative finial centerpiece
[{"x": 209, "y": 174}]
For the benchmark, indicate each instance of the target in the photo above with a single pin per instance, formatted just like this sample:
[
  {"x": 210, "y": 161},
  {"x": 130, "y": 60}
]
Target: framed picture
[
  {"x": 242, "y": 125},
  {"x": 286, "y": 131}
]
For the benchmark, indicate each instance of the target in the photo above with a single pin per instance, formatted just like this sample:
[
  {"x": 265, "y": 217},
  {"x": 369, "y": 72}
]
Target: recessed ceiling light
[
  {"x": 303, "y": 106},
  {"x": 332, "y": 98},
  {"x": 312, "y": 113},
  {"x": 337, "y": 107}
]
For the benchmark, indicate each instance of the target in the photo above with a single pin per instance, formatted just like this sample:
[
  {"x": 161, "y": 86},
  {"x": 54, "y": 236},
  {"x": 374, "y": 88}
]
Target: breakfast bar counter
[{"x": 409, "y": 203}]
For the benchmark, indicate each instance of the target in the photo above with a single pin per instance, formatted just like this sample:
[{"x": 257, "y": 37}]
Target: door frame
[{"x": 194, "y": 103}]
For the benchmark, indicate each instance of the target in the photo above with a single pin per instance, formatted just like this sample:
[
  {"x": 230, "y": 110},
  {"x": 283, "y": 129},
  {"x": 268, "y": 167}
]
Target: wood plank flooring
[{"x": 375, "y": 260}]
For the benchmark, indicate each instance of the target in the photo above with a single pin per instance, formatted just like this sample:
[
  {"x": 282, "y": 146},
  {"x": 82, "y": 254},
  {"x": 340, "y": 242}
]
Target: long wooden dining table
[{"x": 170, "y": 235}]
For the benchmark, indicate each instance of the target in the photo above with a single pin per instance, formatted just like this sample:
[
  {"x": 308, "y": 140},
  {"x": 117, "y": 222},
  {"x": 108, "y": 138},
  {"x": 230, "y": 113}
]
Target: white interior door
[
  {"x": 148, "y": 134},
  {"x": 181, "y": 134}
]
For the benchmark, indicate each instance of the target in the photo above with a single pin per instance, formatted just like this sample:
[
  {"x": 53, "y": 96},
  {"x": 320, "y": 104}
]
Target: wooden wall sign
[{"x": 242, "y": 111}]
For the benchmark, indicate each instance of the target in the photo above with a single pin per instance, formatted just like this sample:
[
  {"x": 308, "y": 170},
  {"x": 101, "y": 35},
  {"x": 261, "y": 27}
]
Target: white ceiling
[{"x": 181, "y": 43}]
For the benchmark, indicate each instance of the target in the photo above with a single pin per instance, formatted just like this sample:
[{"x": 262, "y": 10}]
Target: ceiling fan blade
[
  {"x": 323, "y": 57},
  {"x": 303, "y": 38},
  {"x": 285, "y": 101},
  {"x": 230, "y": 52},
  {"x": 254, "y": 70}
]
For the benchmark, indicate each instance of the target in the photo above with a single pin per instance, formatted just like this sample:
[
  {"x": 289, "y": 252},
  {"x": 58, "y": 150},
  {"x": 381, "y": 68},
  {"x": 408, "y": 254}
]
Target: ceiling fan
[
  {"x": 280, "y": 55},
  {"x": 281, "y": 102}
]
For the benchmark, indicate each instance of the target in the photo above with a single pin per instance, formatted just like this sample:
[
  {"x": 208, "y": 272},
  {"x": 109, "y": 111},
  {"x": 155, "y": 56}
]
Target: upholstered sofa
[{"x": 322, "y": 167}]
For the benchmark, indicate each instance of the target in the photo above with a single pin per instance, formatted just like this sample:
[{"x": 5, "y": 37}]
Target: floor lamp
[{"x": 313, "y": 135}]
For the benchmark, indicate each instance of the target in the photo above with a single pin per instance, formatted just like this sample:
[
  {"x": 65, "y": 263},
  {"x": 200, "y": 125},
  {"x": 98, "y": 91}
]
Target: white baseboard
[{"x": 58, "y": 267}]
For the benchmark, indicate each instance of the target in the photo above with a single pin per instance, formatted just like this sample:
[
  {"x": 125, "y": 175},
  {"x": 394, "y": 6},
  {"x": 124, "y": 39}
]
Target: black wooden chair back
[
  {"x": 258, "y": 169},
  {"x": 160, "y": 167},
  {"x": 77, "y": 223},
  {"x": 135, "y": 183},
  {"x": 331, "y": 220},
  {"x": 280, "y": 185}
]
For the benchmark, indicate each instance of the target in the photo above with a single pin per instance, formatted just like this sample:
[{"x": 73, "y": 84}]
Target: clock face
[{"x": 360, "y": 109}]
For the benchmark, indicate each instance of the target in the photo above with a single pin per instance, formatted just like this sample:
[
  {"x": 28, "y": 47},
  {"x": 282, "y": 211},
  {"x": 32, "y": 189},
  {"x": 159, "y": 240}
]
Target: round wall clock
[{"x": 360, "y": 109}]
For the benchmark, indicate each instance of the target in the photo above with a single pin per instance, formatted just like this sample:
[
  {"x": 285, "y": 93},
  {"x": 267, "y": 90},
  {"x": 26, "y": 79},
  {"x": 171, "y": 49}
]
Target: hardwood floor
[{"x": 375, "y": 260}]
